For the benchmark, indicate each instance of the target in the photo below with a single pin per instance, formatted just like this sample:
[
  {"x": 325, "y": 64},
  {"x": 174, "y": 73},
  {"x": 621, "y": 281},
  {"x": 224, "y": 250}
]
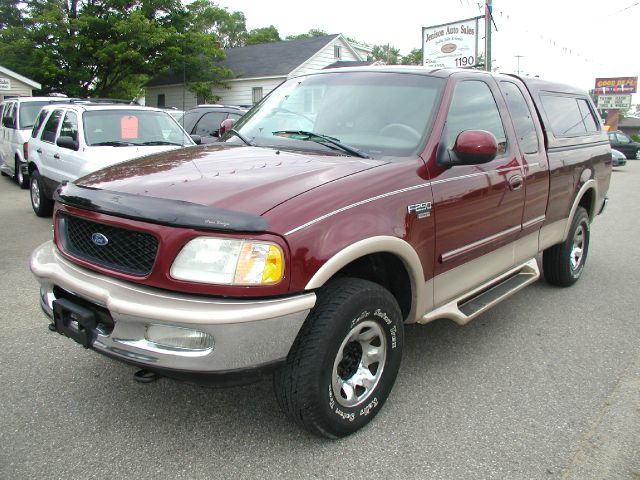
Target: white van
[{"x": 17, "y": 118}]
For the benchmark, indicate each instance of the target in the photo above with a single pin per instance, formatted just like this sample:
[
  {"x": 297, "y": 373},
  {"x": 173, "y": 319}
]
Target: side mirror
[
  {"x": 472, "y": 147},
  {"x": 67, "y": 142},
  {"x": 225, "y": 126},
  {"x": 196, "y": 138}
]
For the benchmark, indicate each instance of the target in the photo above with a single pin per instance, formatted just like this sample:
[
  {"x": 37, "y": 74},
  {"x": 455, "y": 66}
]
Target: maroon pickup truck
[{"x": 343, "y": 206}]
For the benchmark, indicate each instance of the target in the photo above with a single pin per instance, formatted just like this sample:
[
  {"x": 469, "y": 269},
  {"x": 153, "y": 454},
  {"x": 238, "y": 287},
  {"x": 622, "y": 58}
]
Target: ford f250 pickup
[{"x": 343, "y": 206}]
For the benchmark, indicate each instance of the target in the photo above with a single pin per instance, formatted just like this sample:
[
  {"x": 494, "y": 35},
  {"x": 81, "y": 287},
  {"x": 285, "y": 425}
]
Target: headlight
[{"x": 227, "y": 261}]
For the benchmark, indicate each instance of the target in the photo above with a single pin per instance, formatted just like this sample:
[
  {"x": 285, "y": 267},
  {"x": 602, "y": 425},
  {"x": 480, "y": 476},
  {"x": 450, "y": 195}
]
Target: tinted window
[
  {"x": 587, "y": 115},
  {"x": 51, "y": 127},
  {"x": 210, "y": 124},
  {"x": 28, "y": 113},
  {"x": 9, "y": 115},
  {"x": 70, "y": 126},
  {"x": 474, "y": 108},
  {"x": 189, "y": 119},
  {"x": 39, "y": 121},
  {"x": 565, "y": 116},
  {"x": 522, "y": 118}
]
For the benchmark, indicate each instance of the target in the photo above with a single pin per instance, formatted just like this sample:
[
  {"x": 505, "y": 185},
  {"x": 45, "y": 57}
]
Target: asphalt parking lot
[{"x": 545, "y": 385}]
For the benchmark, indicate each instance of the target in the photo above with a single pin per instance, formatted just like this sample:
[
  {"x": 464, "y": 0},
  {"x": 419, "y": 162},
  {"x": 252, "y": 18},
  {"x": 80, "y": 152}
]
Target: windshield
[
  {"x": 377, "y": 113},
  {"x": 123, "y": 127},
  {"x": 28, "y": 113}
]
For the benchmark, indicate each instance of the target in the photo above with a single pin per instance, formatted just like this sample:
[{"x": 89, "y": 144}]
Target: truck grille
[{"x": 127, "y": 251}]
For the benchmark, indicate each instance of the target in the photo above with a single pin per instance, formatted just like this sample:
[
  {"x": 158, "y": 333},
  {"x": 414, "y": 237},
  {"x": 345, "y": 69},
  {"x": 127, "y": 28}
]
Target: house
[
  {"x": 630, "y": 125},
  {"x": 257, "y": 69},
  {"x": 13, "y": 84}
]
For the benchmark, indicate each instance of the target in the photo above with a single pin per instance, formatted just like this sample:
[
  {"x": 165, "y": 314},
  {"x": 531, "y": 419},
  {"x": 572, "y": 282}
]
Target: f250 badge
[{"x": 421, "y": 210}]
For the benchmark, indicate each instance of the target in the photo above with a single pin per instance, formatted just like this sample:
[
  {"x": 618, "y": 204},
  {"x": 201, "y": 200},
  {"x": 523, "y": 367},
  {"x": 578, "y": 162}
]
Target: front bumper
[{"x": 247, "y": 334}]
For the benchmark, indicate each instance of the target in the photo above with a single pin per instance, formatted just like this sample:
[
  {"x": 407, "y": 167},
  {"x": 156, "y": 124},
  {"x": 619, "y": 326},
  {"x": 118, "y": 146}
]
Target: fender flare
[
  {"x": 378, "y": 244},
  {"x": 588, "y": 185}
]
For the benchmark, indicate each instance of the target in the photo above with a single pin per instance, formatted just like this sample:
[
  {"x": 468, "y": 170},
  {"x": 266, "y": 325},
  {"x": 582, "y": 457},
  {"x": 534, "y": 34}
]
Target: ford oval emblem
[{"x": 99, "y": 239}]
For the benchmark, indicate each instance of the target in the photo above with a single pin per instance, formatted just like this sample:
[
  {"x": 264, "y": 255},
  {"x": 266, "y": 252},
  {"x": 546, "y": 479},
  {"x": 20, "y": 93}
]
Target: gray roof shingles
[{"x": 262, "y": 60}]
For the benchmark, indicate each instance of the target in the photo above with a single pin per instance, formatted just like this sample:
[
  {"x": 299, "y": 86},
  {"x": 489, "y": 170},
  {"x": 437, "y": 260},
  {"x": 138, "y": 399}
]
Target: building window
[
  {"x": 337, "y": 51},
  {"x": 256, "y": 94},
  {"x": 161, "y": 100}
]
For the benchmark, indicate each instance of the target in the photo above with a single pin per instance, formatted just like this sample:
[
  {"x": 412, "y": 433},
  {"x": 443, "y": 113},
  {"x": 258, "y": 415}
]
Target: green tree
[
  {"x": 386, "y": 54},
  {"x": 414, "y": 57},
  {"x": 262, "y": 35},
  {"x": 314, "y": 32},
  {"x": 10, "y": 14},
  {"x": 111, "y": 47}
]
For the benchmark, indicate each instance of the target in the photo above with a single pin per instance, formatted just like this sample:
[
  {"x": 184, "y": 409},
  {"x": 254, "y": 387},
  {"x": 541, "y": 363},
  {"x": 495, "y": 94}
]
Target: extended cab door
[
  {"x": 478, "y": 208},
  {"x": 533, "y": 155}
]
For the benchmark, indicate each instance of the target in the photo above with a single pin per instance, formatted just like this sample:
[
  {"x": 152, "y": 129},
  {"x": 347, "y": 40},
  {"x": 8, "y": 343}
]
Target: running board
[{"x": 465, "y": 308}]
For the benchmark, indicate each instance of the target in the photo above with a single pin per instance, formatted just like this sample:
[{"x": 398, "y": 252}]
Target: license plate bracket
[{"x": 75, "y": 321}]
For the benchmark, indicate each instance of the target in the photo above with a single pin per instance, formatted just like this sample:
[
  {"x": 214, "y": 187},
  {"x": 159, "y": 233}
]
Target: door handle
[
  {"x": 516, "y": 182},
  {"x": 56, "y": 156},
  {"x": 39, "y": 150}
]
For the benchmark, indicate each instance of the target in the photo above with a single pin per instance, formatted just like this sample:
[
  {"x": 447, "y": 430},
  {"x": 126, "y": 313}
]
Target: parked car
[
  {"x": 413, "y": 194},
  {"x": 18, "y": 115},
  {"x": 623, "y": 143},
  {"x": 70, "y": 140},
  {"x": 205, "y": 120},
  {"x": 618, "y": 158}
]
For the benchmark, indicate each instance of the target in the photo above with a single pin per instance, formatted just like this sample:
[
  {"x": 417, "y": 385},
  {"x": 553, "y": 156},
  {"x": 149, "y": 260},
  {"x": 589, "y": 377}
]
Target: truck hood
[{"x": 237, "y": 178}]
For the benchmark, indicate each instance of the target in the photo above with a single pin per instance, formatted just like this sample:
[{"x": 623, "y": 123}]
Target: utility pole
[
  {"x": 487, "y": 34},
  {"x": 518, "y": 57}
]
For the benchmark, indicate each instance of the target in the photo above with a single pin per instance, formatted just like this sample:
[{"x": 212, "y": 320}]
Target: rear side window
[
  {"x": 51, "y": 127},
  {"x": 39, "y": 121},
  {"x": 28, "y": 113},
  {"x": 522, "y": 118},
  {"x": 9, "y": 115},
  {"x": 567, "y": 116}
]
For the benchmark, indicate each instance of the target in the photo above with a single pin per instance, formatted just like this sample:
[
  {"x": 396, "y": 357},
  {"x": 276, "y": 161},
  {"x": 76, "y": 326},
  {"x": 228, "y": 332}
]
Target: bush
[{"x": 635, "y": 138}]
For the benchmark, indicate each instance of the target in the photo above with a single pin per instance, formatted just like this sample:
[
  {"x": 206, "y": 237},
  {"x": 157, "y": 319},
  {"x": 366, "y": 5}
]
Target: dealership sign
[
  {"x": 5, "y": 84},
  {"x": 451, "y": 45},
  {"x": 617, "y": 102},
  {"x": 617, "y": 85}
]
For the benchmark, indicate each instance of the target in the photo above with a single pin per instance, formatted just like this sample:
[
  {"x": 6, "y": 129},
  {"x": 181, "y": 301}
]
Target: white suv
[
  {"x": 17, "y": 117},
  {"x": 71, "y": 140}
]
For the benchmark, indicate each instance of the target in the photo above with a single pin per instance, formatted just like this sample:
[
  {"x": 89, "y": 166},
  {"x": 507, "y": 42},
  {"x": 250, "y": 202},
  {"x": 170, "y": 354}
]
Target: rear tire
[
  {"x": 41, "y": 204},
  {"x": 563, "y": 263},
  {"x": 18, "y": 176},
  {"x": 344, "y": 361}
]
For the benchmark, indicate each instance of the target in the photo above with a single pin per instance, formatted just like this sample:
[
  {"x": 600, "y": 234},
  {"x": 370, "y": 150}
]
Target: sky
[{"x": 571, "y": 41}]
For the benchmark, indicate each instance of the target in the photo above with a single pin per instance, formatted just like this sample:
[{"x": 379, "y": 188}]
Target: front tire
[
  {"x": 345, "y": 359},
  {"x": 41, "y": 204},
  {"x": 563, "y": 263}
]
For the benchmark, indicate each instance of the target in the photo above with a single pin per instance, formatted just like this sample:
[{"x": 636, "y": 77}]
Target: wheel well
[
  {"x": 587, "y": 202},
  {"x": 386, "y": 270},
  {"x": 32, "y": 167}
]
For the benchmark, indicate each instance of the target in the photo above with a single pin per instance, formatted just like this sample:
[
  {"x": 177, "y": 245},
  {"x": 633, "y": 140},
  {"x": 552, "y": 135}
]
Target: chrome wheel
[
  {"x": 359, "y": 364},
  {"x": 35, "y": 194},
  {"x": 577, "y": 250}
]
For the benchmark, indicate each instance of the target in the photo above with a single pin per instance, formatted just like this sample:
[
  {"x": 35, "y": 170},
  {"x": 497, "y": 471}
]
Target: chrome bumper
[{"x": 247, "y": 333}]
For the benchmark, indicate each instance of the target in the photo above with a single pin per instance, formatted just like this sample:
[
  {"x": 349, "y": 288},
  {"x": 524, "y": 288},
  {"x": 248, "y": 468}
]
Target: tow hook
[{"x": 145, "y": 376}]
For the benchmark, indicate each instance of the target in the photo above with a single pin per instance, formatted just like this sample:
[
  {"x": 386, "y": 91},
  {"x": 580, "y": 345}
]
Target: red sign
[{"x": 621, "y": 85}]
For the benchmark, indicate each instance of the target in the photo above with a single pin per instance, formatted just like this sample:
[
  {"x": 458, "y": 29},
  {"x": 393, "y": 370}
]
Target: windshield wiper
[
  {"x": 241, "y": 137},
  {"x": 113, "y": 143},
  {"x": 321, "y": 139},
  {"x": 161, "y": 142}
]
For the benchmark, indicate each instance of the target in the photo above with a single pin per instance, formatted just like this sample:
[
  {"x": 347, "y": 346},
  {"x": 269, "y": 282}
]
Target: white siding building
[
  {"x": 13, "y": 84},
  {"x": 258, "y": 69}
]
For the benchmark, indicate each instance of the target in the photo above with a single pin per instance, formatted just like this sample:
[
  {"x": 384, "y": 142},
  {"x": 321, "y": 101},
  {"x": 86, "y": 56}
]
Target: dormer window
[{"x": 337, "y": 51}]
